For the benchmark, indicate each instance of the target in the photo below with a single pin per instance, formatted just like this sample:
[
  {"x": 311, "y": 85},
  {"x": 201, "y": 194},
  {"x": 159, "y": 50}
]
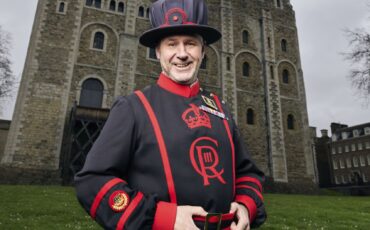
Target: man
[{"x": 170, "y": 156}]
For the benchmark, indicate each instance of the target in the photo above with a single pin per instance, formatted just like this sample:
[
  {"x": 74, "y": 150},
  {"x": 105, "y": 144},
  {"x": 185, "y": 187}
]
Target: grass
[{"x": 55, "y": 207}]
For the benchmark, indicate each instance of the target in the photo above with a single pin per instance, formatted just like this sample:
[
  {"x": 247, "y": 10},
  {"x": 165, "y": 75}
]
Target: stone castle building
[{"x": 84, "y": 53}]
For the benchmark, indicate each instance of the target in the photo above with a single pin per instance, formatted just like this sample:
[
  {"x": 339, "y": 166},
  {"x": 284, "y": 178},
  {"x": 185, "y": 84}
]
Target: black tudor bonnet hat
[{"x": 172, "y": 17}]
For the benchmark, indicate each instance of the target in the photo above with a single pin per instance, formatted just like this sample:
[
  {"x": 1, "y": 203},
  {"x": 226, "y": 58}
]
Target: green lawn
[{"x": 54, "y": 207}]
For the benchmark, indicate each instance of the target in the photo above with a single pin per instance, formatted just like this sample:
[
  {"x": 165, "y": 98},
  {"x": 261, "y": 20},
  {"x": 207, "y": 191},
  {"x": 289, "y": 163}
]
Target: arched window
[
  {"x": 141, "y": 11},
  {"x": 147, "y": 12},
  {"x": 285, "y": 76},
  {"x": 245, "y": 37},
  {"x": 228, "y": 64},
  {"x": 284, "y": 45},
  {"x": 152, "y": 53},
  {"x": 112, "y": 5},
  {"x": 61, "y": 7},
  {"x": 98, "y": 4},
  {"x": 250, "y": 116},
  {"x": 278, "y": 3},
  {"x": 89, "y": 2},
  {"x": 269, "y": 42},
  {"x": 272, "y": 72},
  {"x": 290, "y": 121},
  {"x": 204, "y": 62},
  {"x": 92, "y": 93},
  {"x": 121, "y": 7},
  {"x": 98, "y": 40},
  {"x": 246, "y": 69}
]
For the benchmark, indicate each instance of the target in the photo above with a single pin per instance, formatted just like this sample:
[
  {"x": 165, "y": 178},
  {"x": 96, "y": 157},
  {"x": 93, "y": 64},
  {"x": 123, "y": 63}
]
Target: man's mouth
[{"x": 182, "y": 65}]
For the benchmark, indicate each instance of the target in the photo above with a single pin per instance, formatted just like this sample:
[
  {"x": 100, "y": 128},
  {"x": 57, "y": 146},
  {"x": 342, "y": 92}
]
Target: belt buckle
[{"x": 209, "y": 216}]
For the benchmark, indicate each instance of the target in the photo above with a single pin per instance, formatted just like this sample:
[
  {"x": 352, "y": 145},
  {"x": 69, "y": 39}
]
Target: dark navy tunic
[{"x": 165, "y": 146}]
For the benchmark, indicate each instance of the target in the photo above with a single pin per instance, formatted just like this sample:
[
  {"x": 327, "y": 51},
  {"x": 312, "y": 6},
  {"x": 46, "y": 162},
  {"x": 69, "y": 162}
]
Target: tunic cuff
[
  {"x": 249, "y": 204},
  {"x": 165, "y": 216}
]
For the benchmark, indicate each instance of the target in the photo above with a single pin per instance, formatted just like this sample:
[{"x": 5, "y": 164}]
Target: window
[
  {"x": 340, "y": 149},
  {"x": 285, "y": 76},
  {"x": 353, "y": 147},
  {"x": 359, "y": 146},
  {"x": 348, "y": 162},
  {"x": 336, "y": 180},
  {"x": 362, "y": 161},
  {"x": 367, "y": 130},
  {"x": 278, "y": 3},
  {"x": 355, "y": 161},
  {"x": 245, "y": 37},
  {"x": 344, "y": 181},
  {"x": 61, "y": 7},
  {"x": 368, "y": 159},
  {"x": 152, "y": 53},
  {"x": 141, "y": 12},
  {"x": 250, "y": 116},
  {"x": 89, "y": 2},
  {"x": 334, "y": 137},
  {"x": 284, "y": 45},
  {"x": 344, "y": 135},
  {"x": 364, "y": 177},
  {"x": 269, "y": 42},
  {"x": 228, "y": 64},
  {"x": 203, "y": 65},
  {"x": 98, "y": 4},
  {"x": 333, "y": 150},
  {"x": 112, "y": 5},
  {"x": 346, "y": 148},
  {"x": 341, "y": 163},
  {"x": 147, "y": 13},
  {"x": 290, "y": 121},
  {"x": 272, "y": 71},
  {"x": 367, "y": 145},
  {"x": 246, "y": 69},
  {"x": 355, "y": 133},
  {"x": 335, "y": 164},
  {"x": 98, "y": 40},
  {"x": 121, "y": 7},
  {"x": 92, "y": 93}
]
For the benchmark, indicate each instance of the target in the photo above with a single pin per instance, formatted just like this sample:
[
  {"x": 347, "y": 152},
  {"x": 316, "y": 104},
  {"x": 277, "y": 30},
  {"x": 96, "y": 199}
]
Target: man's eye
[{"x": 171, "y": 44}]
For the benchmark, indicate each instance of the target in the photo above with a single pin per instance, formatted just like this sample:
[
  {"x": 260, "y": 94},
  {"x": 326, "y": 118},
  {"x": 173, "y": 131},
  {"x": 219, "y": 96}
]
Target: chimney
[{"x": 324, "y": 133}]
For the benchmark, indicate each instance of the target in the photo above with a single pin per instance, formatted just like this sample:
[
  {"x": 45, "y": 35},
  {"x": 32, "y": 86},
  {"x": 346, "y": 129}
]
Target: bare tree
[
  {"x": 359, "y": 75},
  {"x": 7, "y": 79}
]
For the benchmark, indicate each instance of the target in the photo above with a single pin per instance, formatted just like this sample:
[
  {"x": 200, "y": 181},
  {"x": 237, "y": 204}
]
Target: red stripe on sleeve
[
  {"x": 162, "y": 146},
  {"x": 107, "y": 186},
  {"x": 230, "y": 139},
  {"x": 165, "y": 216},
  {"x": 251, "y": 188},
  {"x": 249, "y": 204},
  {"x": 250, "y": 179},
  {"x": 131, "y": 207}
]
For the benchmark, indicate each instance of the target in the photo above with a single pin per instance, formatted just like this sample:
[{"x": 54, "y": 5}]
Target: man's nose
[{"x": 182, "y": 52}]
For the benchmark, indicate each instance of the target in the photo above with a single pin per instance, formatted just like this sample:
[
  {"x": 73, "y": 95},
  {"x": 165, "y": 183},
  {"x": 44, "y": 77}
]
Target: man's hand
[
  {"x": 243, "y": 216},
  {"x": 184, "y": 217}
]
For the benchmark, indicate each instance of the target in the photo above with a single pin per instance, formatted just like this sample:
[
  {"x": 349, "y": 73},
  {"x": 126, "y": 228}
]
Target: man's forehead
[{"x": 183, "y": 37}]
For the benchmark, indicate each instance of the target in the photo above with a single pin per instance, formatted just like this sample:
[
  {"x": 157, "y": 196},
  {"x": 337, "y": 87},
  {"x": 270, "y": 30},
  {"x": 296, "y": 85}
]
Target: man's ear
[{"x": 157, "y": 53}]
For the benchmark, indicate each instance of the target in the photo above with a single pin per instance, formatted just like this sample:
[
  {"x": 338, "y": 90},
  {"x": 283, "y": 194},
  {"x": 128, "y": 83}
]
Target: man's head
[{"x": 180, "y": 57}]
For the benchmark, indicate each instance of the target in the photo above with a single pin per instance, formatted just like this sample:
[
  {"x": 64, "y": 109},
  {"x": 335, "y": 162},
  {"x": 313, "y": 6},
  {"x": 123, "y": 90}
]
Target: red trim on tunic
[
  {"x": 134, "y": 203},
  {"x": 251, "y": 188},
  {"x": 250, "y": 179},
  {"x": 176, "y": 88},
  {"x": 165, "y": 216},
  {"x": 230, "y": 139},
  {"x": 106, "y": 187},
  {"x": 162, "y": 146},
  {"x": 249, "y": 204}
]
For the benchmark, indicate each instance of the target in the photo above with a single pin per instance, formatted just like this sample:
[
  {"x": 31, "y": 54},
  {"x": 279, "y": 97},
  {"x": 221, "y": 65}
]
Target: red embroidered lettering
[{"x": 207, "y": 159}]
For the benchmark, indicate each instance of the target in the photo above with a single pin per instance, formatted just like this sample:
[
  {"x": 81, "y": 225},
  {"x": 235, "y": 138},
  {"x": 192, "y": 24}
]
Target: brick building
[
  {"x": 350, "y": 154},
  {"x": 84, "y": 53}
]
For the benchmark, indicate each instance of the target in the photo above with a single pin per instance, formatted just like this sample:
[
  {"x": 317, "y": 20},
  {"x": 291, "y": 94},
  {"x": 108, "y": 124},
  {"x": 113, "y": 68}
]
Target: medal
[
  {"x": 211, "y": 103},
  {"x": 212, "y": 111}
]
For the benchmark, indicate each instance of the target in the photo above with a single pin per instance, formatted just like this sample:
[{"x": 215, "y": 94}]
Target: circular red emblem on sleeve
[{"x": 119, "y": 200}]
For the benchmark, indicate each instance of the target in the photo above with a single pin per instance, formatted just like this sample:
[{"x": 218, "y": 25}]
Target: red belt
[{"x": 216, "y": 221}]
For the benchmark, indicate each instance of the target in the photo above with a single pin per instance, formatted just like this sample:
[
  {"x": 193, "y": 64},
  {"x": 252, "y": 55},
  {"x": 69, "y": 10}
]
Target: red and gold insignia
[
  {"x": 119, "y": 200},
  {"x": 194, "y": 118}
]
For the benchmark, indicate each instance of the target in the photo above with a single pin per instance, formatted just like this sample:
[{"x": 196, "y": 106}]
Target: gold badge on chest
[{"x": 210, "y": 102}]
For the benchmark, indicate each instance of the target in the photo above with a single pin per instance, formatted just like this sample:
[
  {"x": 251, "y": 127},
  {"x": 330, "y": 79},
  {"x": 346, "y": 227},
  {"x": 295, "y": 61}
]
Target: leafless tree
[
  {"x": 359, "y": 55},
  {"x": 7, "y": 79}
]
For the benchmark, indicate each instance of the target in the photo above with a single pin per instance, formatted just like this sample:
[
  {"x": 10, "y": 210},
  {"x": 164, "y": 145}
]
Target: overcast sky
[{"x": 330, "y": 97}]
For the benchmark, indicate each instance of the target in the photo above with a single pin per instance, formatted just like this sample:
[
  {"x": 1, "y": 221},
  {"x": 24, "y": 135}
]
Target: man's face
[{"x": 180, "y": 57}]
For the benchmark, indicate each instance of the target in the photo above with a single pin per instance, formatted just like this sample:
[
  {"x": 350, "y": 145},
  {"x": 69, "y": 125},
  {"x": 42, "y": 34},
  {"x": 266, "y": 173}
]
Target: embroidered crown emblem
[{"x": 194, "y": 117}]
